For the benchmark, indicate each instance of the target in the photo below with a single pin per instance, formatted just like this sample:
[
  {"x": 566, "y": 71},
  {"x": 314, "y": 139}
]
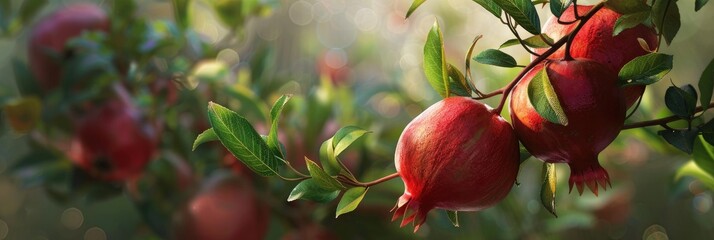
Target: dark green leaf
[
  {"x": 29, "y": 8},
  {"x": 627, "y": 6},
  {"x": 490, "y": 6},
  {"x": 453, "y": 217},
  {"x": 524, "y": 12},
  {"x": 665, "y": 14},
  {"x": 533, "y": 41},
  {"x": 681, "y": 101},
  {"x": 206, "y": 136},
  {"x": 698, "y": 4},
  {"x": 708, "y": 131},
  {"x": 457, "y": 82},
  {"x": 547, "y": 188},
  {"x": 350, "y": 200},
  {"x": 692, "y": 169},
  {"x": 435, "y": 62},
  {"x": 628, "y": 21},
  {"x": 414, "y": 6},
  {"x": 545, "y": 100},
  {"x": 646, "y": 69},
  {"x": 345, "y": 137},
  {"x": 321, "y": 178},
  {"x": 703, "y": 155},
  {"x": 275, "y": 111},
  {"x": 706, "y": 84},
  {"x": 557, "y": 7},
  {"x": 496, "y": 58},
  {"x": 681, "y": 139},
  {"x": 310, "y": 190},
  {"x": 241, "y": 139}
]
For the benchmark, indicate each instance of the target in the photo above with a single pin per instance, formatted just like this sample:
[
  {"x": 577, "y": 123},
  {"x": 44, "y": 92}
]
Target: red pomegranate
[
  {"x": 591, "y": 100},
  {"x": 51, "y": 34},
  {"x": 456, "y": 155},
  {"x": 112, "y": 144},
  {"x": 595, "y": 41},
  {"x": 226, "y": 208}
]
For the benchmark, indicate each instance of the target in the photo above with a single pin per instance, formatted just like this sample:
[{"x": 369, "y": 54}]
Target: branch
[{"x": 663, "y": 121}]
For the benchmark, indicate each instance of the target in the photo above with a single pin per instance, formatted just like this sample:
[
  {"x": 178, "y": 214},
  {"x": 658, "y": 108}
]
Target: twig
[{"x": 663, "y": 121}]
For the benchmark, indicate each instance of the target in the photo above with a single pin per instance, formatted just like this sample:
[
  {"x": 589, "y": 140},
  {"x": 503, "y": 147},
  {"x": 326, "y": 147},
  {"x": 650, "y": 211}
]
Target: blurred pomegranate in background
[
  {"x": 111, "y": 142},
  {"x": 333, "y": 64},
  {"x": 226, "y": 208},
  {"x": 50, "y": 35}
]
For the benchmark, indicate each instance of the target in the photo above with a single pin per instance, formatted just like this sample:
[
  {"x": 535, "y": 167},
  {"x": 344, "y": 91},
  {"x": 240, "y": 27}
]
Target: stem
[
  {"x": 663, "y": 121},
  {"x": 381, "y": 180},
  {"x": 518, "y": 37},
  {"x": 468, "y": 67},
  {"x": 507, "y": 90}
]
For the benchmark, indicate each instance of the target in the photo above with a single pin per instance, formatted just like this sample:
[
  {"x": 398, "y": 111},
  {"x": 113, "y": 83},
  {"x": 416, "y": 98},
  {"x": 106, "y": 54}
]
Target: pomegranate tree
[
  {"x": 48, "y": 38},
  {"x": 595, "y": 109},
  {"x": 456, "y": 155}
]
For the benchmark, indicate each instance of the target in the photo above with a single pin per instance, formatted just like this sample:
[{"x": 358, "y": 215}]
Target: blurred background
[{"x": 347, "y": 63}]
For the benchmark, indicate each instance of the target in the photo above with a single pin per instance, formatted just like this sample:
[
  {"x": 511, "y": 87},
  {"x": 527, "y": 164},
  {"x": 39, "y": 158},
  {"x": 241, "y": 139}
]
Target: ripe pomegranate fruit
[
  {"x": 51, "y": 34},
  {"x": 112, "y": 144},
  {"x": 456, "y": 155},
  {"x": 593, "y": 103},
  {"x": 226, "y": 208},
  {"x": 595, "y": 41}
]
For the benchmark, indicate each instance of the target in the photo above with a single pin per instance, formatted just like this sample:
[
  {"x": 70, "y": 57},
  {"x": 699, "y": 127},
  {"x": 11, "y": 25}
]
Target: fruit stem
[
  {"x": 663, "y": 121},
  {"x": 507, "y": 90},
  {"x": 575, "y": 31},
  {"x": 372, "y": 183},
  {"x": 518, "y": 36}
]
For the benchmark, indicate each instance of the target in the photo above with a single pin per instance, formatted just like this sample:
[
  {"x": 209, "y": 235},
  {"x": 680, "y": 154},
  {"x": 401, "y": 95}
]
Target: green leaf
[
  {"x": 665, "y": 14},
  {"x": 547, "y": 188},
  {"x": 453, "y": 217},
  {"x": 698, "y": 4},
  {"x": 496, "y": 58},
  {"x": 321, "y": 178},
  {"x": 703, "y": 155},
  {"x": 533, "y": 41},
  {"x": 310, "y": 190},
  {"x": 490, "y": 6},
  {"x": 628, "y": 21},
  {"x": 681, "y": 139},
  {"x": 457, "y": 82},
  {"x": 708, "y": 131},
  {"x": 241, "y": 139},
  {"x": 275, "y": 111},
  {"x": 435, "y": 62},
  {"x": 24, "y": 79},
  {"x": 29, "y": 8},
  {"x": 544, "y": 99},
  {"x": 346, "y": 136},
  {"x": 524, "y": 12},
  {"x": 692, "y": 169},
  {"x": 557, "y": 7},
  {"x": 181, "y": 12},
  {"x": 328, "y": 159},
  {"x": 646, "y": 69},
  {"x": 681, "y": 101},
  {"x": 206, "y": 136},
  {"x": 627, "y": 6},
  {"x": 414, "y": 6},
  {"x": 706, "y": 84},
  {"x": 350, "y": 200}
]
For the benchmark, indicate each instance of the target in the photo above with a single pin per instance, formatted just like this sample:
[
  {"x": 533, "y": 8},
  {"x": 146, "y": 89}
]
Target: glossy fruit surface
[
  {"x": 595, "y": 41},
  {"x": 593, "y": 104},
  {"x": 50, "y": 35},
  {"x": 456, "y": 155}
]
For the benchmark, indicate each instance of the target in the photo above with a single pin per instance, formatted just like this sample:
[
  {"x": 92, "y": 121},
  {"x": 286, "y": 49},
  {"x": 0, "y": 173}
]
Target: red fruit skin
[
  {"x": 225, "y": 209},
  {"x": 595, "y": 41},
  {"x": 52, "y": 32},
  {"x": 456, "y": 155},
  {"x": 112, "y": 144},
  {"x": 595, "y": 108}
]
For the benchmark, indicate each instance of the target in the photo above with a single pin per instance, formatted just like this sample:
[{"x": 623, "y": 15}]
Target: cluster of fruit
[{"x": 461, "y": 155}]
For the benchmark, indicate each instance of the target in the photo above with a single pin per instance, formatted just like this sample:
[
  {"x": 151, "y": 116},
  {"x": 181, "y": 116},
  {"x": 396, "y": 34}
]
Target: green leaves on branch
[
  {"x": 702, "y": 166},
  {"x": 557, "y": 7},
  {"x": 414, "y": 6},
  {"x": 665, "y": 15},
  {"x": 547, "y": 189},
  {"x": 627, "y": 6},
  {"x": 628, "y": 21},
  {"x": 523, "y": 12},
  {"x": 681, "y": 139},
  {"x": 537, "y": 41},
  {"x": 277, "y": 108},
  {"x": 332, "y": 148},
  {"x": 544, "y": 99},
  {"x": 490, "y": 6},
  {"x": 706, "y": 84},
  {"x": 645, "y": 70},
  {"x": 682, "y": 101},
  {"x": 310, "y": 190},
  {"x": 496, "y": 58},
  {"x": 446, "y": 79},
  {"x": 350, "y": 200},
  {"x": 206, "y": 136}
]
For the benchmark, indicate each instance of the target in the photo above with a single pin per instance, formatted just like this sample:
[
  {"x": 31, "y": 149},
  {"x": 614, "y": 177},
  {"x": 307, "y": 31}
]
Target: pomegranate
[
  {"x": 226, "y": 208},
  {"x": 51, "y": 34},
  {"x": 595, "y": 108},
  {"x": 595, "y": 41},
  {"x": 112, "y": 144},
  {"x": 456, "y": 155}
]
